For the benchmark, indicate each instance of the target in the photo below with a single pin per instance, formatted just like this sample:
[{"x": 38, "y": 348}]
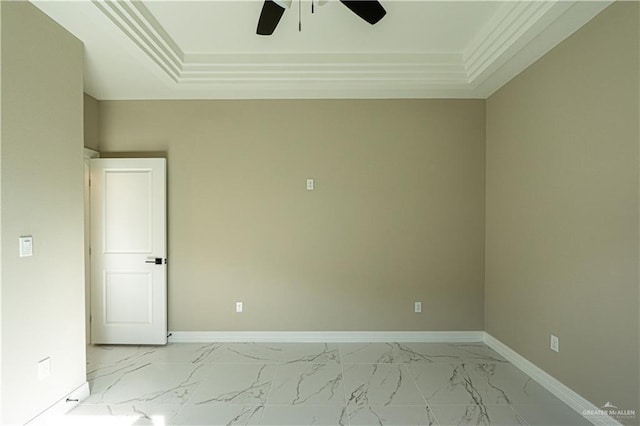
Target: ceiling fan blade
[
  {"x": 369, "y": 10},
  {"x": 269, "y": 17}
]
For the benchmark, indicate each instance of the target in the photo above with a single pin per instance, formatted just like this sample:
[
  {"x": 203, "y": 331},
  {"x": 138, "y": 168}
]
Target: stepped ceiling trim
[{"x": 517, "y": 34}]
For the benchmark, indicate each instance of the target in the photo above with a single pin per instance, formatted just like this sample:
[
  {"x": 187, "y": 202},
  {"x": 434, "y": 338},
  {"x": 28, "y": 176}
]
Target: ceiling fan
[{"x": 272, "y": 10}]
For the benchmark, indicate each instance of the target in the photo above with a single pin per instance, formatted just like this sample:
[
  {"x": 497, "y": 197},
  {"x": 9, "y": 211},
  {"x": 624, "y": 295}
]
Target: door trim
[{"x": 88, "y": 155}]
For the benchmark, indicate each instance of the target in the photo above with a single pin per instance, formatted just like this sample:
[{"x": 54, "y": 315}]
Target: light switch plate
[{"x": 26, "y": 246}]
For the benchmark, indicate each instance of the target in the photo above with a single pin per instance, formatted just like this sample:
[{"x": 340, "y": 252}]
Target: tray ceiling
[{"x": 210, "y": 50}]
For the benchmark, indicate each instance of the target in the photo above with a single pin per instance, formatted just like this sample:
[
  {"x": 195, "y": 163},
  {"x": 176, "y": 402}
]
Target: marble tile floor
[{"x": 312, "y": 384}]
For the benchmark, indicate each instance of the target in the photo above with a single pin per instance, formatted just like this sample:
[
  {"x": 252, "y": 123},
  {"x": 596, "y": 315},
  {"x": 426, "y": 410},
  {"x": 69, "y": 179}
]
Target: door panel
[
  {"x": 128, "y": 298},
  {"x": 128, "y": 216},
  {"x": 130, "y": 229}
]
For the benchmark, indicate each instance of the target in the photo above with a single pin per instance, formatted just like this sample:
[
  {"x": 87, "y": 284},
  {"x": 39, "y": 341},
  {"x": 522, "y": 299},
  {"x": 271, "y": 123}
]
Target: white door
[{"x": 128, "y": 251}]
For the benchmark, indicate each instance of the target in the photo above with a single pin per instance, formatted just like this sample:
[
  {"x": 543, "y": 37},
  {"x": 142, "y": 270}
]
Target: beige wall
[
  {"x": 562, "y": 210},
  {"x": 91, "y": 122},
  {"x": 397, "y": 215},
  {"x": 42, "y": 303}
]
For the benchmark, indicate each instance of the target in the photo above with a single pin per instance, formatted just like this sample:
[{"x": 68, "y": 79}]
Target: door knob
[{"x": 156, "y": 261}]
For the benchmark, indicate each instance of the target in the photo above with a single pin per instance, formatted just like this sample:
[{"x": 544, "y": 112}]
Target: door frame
[{"x": 88, "y": 155}]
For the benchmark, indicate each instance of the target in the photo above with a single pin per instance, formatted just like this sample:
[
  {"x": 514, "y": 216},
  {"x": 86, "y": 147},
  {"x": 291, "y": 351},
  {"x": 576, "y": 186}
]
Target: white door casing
[
  {"x": 128, "y": 251},
  {"x": 88, "y": 155}
]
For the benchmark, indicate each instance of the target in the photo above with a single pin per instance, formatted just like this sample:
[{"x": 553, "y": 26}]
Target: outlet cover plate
[{"x": 554, "y": 343}]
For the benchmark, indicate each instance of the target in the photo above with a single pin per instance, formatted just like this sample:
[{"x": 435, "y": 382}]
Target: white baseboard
[
  {"x": 325, "y": 336},
  {"x": 51, "y": 416},
  {"x": 564, "y": 393}
]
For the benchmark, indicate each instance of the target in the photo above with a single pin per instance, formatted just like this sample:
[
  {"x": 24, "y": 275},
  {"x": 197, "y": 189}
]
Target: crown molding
[
  {"x": 139, "y": 25},
  {"x": 505, "y": 30},
  {"x": 534, "y": 41},
  {"x": 356, "y": 74},
  {"x": 390, "y": 67}
]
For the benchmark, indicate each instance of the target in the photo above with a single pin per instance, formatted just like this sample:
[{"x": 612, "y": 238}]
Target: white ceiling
[{"x": 155, "y": 49}]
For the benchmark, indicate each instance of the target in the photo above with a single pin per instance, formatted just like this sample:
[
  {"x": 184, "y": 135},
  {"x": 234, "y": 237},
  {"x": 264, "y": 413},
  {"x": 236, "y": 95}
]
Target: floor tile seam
[
  {"x": 240, "y": 363},
  {"x": 177, "y": 415},
  {"x": 430, "y": 405},
  {"x": 519, "y": 415},
  {"x": 273, "y": 378},
  {"x": 225, "y": 405},
  {"x": 542, "y": 403},
  {"x": 198, "y": 384},
  {"x": 437, "y": 421},
  {"x": 305, "y": 405},
  {"x": 344, "y": 387},
  {"x": 415, "y": 383},
  {"x": 408, "y": 404},
  {"x": 279, "y": 373},
  {"x": 326, "y": 405},
  {"x": 505, "y": 404},
  {"x": 245, "y": 405},
  {"x": 441, "y": 404},
  {"x": 434, "y": 407},
  {"x": 466, "y": 362}
]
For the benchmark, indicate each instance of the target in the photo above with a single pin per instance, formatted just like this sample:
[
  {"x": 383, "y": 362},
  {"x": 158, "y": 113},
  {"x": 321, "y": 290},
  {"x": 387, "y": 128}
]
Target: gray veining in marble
[
  {"x": 219, "y": 415},
  {"x": 399, "y": 353},
  {"x": 477, "y": 415},
  {"x": 393, "y": 415},
  {"x": 380, "y": 384},
  {"x": 278, "y": 415},
  {"x": 158, "y": 383},
  {"x": 477, "y": 384},
  {"x": 253, "y": 353},
  {"x": 237, "y": 384},
  {"x": 312, "y": 383},
  {"x": 307, "y": 384},
  {"x": 321, "y": 353}
]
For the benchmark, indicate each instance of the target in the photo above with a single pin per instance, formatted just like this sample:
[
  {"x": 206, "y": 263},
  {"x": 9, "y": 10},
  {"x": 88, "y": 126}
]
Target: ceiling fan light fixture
[
  {"x": 270, "y": 16},
  {"x": 369, "y": 10},
  {"x": 285, "y": 4},
  {"x": 272, "y": 10}
]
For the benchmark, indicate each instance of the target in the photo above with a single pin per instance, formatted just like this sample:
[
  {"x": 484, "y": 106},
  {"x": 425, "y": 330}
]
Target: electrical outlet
[
  {"x": 417, "y": 307},
  {"x": 310, "y": 184},
  {"x": 555, "y": 343},
  {"x": 239, "y": 307},
  {"x": 44, "y": 368}
]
